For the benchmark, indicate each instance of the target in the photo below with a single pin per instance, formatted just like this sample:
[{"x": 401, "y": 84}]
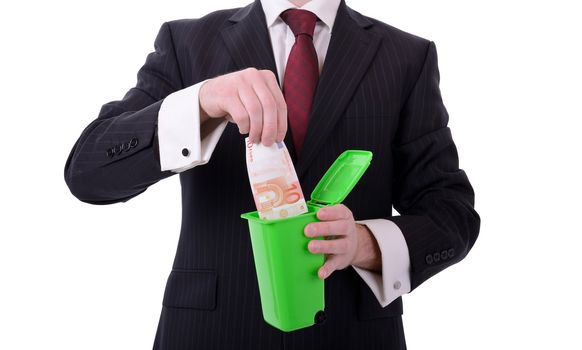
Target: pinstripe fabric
[{"x": 378, "y": 90}]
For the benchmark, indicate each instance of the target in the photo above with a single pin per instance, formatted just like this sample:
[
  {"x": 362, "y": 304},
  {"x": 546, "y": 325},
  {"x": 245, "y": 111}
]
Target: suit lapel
[
  {"x": 249, "y": 44},
  {"x": 248, "y": 40},
  {"x": 349, "y": 55}
]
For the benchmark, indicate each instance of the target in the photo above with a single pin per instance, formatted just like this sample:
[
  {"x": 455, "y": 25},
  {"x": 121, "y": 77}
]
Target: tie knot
[{"x": 300, "y": 21}]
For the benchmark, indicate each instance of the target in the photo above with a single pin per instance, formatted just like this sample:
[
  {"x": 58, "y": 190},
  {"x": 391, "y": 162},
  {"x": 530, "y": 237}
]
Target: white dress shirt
[{"x": 179, "y": 128}]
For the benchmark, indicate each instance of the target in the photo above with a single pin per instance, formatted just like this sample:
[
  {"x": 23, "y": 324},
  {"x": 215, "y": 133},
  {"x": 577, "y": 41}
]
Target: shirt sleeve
[
  {"x": 183, "y": 143},
  {"x": 394, "y": 280}
]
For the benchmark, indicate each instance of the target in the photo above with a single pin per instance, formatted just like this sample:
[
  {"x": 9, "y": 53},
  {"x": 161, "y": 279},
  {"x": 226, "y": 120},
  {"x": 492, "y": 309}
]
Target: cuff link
[
  {"x": 397, "y": 285},
  {"x": 185, "y": 152}
]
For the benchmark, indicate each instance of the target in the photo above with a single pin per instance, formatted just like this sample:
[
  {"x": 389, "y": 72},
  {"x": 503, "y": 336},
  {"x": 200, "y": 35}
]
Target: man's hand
[
  {"x": 346, "y": 243},
  {"x": 251, "y": 99}
]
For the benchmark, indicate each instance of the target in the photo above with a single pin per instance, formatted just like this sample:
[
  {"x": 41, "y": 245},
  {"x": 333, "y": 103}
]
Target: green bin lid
[{"x": 341, "y": 177}]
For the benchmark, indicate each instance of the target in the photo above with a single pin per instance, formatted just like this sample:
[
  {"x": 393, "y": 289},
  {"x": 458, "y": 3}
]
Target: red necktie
[{"x": 301, "y": 73}]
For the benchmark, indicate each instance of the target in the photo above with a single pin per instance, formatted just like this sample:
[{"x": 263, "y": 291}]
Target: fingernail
[
  {"x": 310, "y": 230},
  {"x": 313, "y": 246}
]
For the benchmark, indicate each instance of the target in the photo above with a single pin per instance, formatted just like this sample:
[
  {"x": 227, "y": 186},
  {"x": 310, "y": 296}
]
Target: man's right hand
[{"x": 251, "y": 99}]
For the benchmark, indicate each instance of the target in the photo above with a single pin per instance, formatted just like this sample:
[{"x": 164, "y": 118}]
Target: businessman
[{"x": 323, "y": 78}]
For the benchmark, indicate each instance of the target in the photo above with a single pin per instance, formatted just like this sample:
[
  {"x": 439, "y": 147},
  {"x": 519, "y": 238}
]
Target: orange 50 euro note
[{"x": 273, "y": 180}]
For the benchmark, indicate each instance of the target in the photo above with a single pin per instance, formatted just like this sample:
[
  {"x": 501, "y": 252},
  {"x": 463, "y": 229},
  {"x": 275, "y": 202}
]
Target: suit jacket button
[
  {"x": 185, "y": 152},
  {"x": 436, "y": 257},
  {"x": 133, "y": 142},
  {"x": 444, "y": 255},
  {"x": 117, "y": 149},
  {"x": 110, "y": 152},
  {"x": 428, "y": 259},
  {"x": 451, "y": 252}
]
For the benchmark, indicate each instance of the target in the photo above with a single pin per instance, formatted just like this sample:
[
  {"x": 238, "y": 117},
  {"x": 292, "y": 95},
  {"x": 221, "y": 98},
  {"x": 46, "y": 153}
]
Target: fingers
[
  {"x": 338, "y": 221},
  {"x": 334, "y": 212},
  {"x": 335, "y": 246},
  {"x": 328, "y": 228},
  {"x": 254, "y": 111},
  {"x": 269, "y": 108},
  {"x": 250, "y": 98},
  {"x": 237, "y": 114},
  {"x": 271, "y": 81},
  {"x": 332, "y": 263}
]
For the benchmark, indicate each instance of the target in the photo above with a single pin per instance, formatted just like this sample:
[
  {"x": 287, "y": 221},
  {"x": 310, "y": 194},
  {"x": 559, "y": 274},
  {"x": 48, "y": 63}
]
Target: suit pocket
[{"x": 191, "y": 289}]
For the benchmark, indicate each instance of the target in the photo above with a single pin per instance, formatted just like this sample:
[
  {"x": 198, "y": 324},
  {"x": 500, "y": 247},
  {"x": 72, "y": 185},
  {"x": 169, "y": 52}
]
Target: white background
[{"x": 78, "y": 276}]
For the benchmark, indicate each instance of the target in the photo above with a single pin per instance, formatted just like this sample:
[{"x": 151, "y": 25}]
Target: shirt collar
[{"x": 326, "y": 10}]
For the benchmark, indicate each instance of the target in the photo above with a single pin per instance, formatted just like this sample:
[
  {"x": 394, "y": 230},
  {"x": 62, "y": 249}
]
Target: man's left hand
[{"x": 346, "y": 243}]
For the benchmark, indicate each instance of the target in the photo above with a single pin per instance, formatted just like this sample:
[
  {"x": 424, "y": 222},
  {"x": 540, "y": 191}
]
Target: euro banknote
[{"x": 276, "y": 189}]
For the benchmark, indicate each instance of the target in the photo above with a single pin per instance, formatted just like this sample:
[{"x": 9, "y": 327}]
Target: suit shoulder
[
  {"x": 413, "y": 48},
  {"x": 400, "y": 37},
  {"x": 403, "y": 48},
  {"x": 395, "y": 38},
  {"x": 210, "y": 21}
]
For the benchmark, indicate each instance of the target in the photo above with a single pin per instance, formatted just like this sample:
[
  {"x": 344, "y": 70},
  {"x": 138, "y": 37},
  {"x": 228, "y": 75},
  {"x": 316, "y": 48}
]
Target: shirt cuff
[
  {"x": 183, "y": 143},
  {"x": 394, "y": 280}
]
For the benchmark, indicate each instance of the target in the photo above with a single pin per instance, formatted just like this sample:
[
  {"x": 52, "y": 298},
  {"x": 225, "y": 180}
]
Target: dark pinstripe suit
[{"x": 378, "y": 91}]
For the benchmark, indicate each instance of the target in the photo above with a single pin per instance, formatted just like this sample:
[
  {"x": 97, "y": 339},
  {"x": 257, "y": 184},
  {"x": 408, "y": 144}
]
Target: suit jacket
[{"x": 378, "y": 91}]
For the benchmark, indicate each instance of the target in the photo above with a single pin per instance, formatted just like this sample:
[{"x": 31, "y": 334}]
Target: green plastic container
[{"x": 292, "y": 295}]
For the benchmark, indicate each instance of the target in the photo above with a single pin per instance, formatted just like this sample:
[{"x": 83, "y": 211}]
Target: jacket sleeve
[
  {"x": 432, "y": 195},
  {"x": 116, "y": 156}
]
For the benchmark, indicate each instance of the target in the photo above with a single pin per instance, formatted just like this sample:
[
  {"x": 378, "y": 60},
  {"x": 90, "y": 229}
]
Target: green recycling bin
[{"x": 292, "y": 295}]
